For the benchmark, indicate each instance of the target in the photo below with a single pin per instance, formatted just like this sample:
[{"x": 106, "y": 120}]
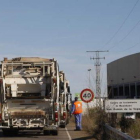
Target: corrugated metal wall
[{"x": 124, "y": 70}]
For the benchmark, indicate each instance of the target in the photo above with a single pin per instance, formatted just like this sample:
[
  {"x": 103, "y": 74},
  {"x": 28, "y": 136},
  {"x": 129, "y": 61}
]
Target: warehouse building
[{"x": 123, "y": 77}]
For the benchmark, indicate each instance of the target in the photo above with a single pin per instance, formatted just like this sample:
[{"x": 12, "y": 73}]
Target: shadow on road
[
  {"x": 24, "y": 135},
  {"x": 84, "y": 138}
]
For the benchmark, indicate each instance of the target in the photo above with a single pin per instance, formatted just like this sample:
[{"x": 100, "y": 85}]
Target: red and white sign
[{"x": 87, "y": 95}]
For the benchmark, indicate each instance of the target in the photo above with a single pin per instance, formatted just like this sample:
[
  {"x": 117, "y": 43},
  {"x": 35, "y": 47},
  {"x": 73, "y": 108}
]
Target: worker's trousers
[{"x": 78, "y": 120}]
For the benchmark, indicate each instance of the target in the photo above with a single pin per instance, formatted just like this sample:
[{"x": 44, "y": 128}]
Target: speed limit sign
[{"x": 87, "y": 95}]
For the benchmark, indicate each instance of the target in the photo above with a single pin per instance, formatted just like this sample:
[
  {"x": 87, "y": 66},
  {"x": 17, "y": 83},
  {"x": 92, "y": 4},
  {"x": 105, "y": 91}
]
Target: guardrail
[{"x": 115, "y": 134}]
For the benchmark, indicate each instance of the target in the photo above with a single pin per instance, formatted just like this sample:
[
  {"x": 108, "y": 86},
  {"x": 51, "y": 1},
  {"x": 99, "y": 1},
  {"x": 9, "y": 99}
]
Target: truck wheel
[
  {"x": 46, "y": 132},
  {"x": 10, "y": 132},
  {"x": 62, "y": 125},
  {"x": 6, "y": 132},
  {"x": 54, "y": 132},
  {"x": 15, "y": 132}
]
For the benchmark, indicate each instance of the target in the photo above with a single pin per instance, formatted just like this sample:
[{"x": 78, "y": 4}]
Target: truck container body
[{"x": 29, "y": 95}]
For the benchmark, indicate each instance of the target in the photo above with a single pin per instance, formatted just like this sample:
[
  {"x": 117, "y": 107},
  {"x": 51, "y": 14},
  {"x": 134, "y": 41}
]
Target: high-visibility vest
[{"x": 78, "y": 107}]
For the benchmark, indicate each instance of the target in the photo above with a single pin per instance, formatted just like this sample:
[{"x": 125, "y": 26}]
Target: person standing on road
[{"x": 77, "y": 111}]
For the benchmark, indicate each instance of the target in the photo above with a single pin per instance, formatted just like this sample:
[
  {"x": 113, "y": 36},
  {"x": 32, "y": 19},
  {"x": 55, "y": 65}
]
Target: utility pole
[
  {"x": 98, "y": 69},
  {"x": 89, "y": 78}
]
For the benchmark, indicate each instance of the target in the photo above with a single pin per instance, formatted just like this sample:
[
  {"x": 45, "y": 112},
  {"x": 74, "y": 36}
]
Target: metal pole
[
  {"x": 88, "y": 108},
  {"x": 89, "y": 78},
  {"x": 98, "y": 89}
]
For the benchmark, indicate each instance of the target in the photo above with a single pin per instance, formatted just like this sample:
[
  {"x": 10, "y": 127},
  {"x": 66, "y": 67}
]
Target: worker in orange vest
[{"x": 77, "y": 111}]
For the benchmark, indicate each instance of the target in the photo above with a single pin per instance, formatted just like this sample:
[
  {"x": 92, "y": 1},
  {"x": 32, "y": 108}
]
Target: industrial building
[{"x": 123, "y": 77}]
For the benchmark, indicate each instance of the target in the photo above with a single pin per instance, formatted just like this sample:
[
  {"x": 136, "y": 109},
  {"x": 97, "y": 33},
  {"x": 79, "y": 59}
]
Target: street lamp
[{"x": 89, "y": 76}]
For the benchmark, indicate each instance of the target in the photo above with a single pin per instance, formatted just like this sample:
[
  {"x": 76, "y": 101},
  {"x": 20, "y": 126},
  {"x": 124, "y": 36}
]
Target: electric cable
[
  {"x": 131, "y": 47},
  {"x": 125, "y": 35},
  {"x": 120, "y": 27},
  {"x": 122, "y": 23}
]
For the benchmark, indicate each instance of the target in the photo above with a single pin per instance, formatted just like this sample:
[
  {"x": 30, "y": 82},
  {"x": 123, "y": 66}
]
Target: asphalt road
[{"x": 67, "y": 133}]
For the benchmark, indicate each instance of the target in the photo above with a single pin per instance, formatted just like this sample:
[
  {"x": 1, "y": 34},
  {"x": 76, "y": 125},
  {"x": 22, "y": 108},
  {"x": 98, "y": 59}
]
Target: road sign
[
  {"x": 87, "y": 95},
  {"x": 122, "y": 105}
]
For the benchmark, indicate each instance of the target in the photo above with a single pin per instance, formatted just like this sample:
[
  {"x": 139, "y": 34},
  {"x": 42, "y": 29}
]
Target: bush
[
  {"x": 134, "y": 129},
  {"x": 93, "y": 121},
  {"x": 125, "y": 124}
]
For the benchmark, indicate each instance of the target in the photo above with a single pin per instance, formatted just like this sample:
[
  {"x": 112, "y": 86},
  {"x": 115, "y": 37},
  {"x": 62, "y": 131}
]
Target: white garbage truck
[
  {"x": 29, "y": 95},
  {"x": 65, "y": 100}
]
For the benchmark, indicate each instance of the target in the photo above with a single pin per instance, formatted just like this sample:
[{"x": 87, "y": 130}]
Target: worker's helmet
[{"x": 76, "y": 98}]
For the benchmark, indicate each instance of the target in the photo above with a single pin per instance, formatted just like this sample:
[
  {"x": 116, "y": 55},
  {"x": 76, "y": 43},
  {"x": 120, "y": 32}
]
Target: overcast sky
[{"x": 66, "y": 29}]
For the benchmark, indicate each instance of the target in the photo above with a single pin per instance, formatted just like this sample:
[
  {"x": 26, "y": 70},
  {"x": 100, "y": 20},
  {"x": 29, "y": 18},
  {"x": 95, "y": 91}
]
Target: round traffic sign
[{"x": 87, "y": 95}]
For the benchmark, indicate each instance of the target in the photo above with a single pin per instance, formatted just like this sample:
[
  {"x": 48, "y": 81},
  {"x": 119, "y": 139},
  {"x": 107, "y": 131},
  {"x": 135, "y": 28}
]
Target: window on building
[
  {"x": 121, "y": 91},
  {"x": 132, "y": 91},
  {"x": 110, "y": 93},
  {"x": 138, "y": 90},
  {"x": 115, "y": 91},
  {"x": 126, "y": 90}
]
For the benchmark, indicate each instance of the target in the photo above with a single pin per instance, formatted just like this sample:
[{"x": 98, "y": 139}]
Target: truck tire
[
  {"x": 63, "y": 125},
  {"x": 10, "y": 132},
  {"x": 15, "y": 132},
  {"x": 6, "y": 132},
  {"x": 54, "y": 132},
  {"x": 46, "y": 132}
]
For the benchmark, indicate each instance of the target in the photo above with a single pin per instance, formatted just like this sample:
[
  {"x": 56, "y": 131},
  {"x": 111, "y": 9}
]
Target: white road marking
[{"x": 68, "y": 133}]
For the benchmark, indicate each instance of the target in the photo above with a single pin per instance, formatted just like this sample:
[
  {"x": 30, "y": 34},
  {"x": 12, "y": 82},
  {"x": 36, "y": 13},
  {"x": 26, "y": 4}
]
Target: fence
[{"x": 115, "y": 134}]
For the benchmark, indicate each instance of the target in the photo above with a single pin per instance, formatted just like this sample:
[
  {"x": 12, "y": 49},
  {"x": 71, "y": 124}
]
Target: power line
[
  {"x": 125, "y": 35},
  {"x": 131, "y": 47},
  {"x": 122, "y": 23}
]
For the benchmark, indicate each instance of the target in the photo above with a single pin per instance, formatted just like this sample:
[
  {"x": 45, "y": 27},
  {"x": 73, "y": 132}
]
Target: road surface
[{"x": 67, "y": 133}]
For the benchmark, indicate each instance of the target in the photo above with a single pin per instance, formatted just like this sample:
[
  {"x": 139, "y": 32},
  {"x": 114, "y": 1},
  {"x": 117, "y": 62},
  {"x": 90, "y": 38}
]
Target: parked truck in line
[
  {"x": 65, "y": 100},
  {"x": 30, "y": 95}
]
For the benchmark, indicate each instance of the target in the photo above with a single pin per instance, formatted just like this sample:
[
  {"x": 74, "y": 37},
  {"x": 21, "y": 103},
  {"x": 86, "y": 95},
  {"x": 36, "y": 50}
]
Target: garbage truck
[{"x": 29, "y": 95}]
